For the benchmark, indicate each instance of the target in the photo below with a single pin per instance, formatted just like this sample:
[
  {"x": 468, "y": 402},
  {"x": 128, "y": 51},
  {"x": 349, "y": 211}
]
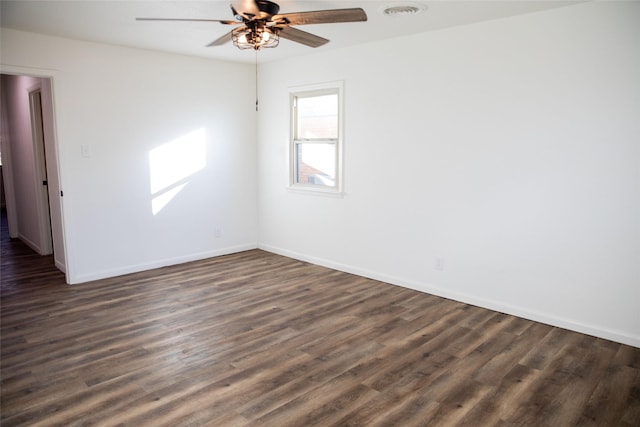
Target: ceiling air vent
[{"x": 402, "y": 9}]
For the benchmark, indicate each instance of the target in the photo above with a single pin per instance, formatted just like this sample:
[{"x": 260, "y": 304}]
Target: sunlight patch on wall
[{"x": 172, "y": 164}]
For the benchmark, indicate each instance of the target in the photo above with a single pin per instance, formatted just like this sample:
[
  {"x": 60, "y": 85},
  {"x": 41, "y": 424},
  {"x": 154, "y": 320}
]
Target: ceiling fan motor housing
[{"x": 268, "y": 7}]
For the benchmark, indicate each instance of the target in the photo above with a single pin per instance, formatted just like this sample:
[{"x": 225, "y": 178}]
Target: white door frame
[{"x": 40, "y": 169}]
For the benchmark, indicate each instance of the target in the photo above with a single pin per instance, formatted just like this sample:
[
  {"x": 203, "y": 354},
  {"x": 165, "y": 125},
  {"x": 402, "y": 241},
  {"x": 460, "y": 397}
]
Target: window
[{"x": 316, "y": 138}]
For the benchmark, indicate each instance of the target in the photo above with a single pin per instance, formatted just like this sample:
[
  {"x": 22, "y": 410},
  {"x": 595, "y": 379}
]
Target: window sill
[{"x": 326, "y": 192}]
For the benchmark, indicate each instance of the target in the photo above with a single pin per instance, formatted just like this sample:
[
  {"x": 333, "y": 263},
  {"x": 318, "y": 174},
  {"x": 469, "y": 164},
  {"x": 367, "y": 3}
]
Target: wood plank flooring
[{"x": 262, "y": 340}]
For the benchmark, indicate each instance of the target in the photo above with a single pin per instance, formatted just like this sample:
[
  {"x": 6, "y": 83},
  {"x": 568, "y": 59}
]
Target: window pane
[
  {"x": 316, "y": 164},
  {"x": 318, "y": 117}
]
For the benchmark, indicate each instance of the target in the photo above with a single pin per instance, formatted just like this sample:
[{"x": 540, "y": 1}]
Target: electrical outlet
[
  {"x": 217, "y": 232},
  {"x": 439, "y": 264}
]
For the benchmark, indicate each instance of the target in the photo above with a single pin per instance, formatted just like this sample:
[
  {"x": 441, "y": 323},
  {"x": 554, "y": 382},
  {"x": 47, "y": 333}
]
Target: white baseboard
[
  {"x": 502, "y": 307},
  {"x": 33, "y": 245},
  {"x": 60, "y": 266},
  {"x": 82, "y": 278}
]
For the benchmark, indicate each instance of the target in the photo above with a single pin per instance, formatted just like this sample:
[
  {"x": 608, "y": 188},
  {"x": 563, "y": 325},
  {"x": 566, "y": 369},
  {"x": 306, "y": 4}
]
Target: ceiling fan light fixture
[
  {"x": 402, "y": 9},
  {"x": 255, "y": 38}
]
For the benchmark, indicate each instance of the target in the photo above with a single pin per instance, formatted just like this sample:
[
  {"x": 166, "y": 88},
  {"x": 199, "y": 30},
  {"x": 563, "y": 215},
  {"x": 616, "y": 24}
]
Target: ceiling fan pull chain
[{"x": 256, "y": 79}]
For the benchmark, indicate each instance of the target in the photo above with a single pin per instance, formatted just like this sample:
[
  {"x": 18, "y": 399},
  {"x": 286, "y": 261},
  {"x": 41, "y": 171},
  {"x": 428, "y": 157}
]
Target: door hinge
[
  {"x": 44, "y": 182},
  {"x": 61, "y": 193}
]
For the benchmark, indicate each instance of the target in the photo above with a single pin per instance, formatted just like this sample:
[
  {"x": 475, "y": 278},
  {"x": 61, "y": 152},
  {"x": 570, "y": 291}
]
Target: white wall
[
  {"x": 115, "y": 105},
  {"x": 510, "y": 149}
]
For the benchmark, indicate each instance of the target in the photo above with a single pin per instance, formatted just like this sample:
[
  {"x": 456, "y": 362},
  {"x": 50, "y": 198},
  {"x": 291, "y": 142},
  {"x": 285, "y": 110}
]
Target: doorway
[{"x": 30, "y": 165}]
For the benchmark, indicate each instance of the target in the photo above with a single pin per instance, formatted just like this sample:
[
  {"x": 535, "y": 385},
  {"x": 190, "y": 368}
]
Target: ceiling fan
[{"x": 259, "y": 25}]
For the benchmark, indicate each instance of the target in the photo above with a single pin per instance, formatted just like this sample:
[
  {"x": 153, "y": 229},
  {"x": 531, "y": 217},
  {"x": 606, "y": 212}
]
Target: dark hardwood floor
[{"x": 260, "y": 339}]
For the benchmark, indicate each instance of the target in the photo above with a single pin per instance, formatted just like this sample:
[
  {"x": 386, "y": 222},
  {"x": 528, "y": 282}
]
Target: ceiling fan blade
[
  {"x": 322, "y": 16},
  {"x": 222, "y": 21},
  {"x": 300, "y": 36},
  {"x": 221, "y": 40}
]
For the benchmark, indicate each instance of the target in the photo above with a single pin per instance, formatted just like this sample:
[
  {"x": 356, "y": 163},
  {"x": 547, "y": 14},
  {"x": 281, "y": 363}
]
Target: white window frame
[{"x": 310, "y": 91}]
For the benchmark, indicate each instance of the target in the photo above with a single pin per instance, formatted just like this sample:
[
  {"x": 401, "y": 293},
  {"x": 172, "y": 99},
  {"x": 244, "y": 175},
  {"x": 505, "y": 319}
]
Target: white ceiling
[{"x": 113, "y": 22}]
